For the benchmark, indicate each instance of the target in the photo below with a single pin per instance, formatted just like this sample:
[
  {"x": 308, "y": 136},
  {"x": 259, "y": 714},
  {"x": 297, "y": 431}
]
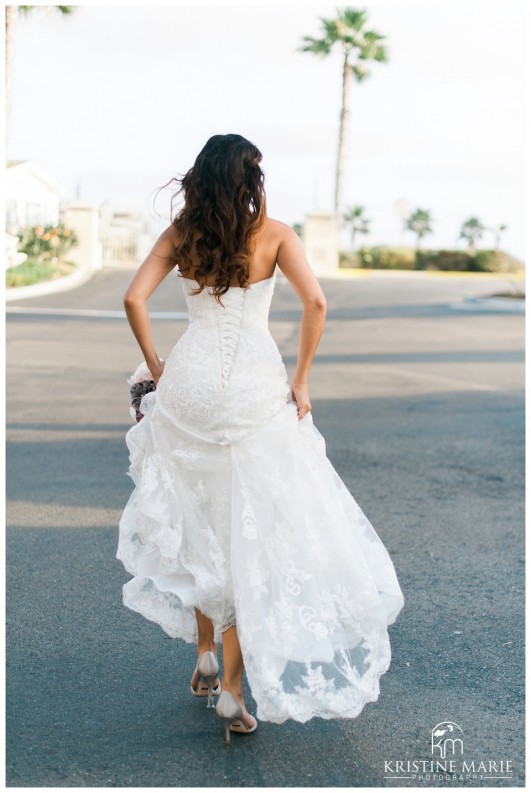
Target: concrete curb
[
  {"x": 348, "y": 272},
  {"x": 77, "y": 278}
]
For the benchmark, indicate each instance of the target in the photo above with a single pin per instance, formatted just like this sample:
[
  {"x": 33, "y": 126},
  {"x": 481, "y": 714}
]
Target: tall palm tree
[
  {"x": 358, "y": 46},
  {"x": 11, "y": 22},
  {"x": 472, "y": 231},
  {"x": 419, "y": 222},
  {"x": 359, "y": 224}
]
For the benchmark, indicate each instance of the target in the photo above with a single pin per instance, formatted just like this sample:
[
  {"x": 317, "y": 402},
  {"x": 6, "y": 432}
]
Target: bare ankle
[
  {"x": 205, "y": 647},
  {"x": 233, "y": 686}
]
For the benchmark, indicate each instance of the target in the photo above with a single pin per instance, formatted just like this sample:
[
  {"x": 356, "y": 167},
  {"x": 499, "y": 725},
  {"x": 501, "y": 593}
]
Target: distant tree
[
  {"x": 355, "y": 221},
  {"x": 358, "y": 46},
  {"x": 472, "y": 231},
  {"x": 419, "y": 222},
  {"x": 11, "y": 21},
  {"x": 497, "y": 231},
  {"x": 297, "y": 228}
]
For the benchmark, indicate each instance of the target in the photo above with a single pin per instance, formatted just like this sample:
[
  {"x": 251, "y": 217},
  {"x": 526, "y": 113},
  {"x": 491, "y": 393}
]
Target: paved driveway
[{"x": 420, "y": 399}]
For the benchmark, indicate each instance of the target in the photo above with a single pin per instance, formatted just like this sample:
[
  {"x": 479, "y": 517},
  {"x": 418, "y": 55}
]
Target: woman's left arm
[{"x": 159, "y": 262}]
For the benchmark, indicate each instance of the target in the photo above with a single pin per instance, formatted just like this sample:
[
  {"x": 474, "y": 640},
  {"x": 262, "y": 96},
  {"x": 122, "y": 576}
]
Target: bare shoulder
[
  {"x": 278, "y": 235},
  {"x": 171, "y": 235},
  {"x": 292, "y": 261},
  {"x": 278, "y": 229}
]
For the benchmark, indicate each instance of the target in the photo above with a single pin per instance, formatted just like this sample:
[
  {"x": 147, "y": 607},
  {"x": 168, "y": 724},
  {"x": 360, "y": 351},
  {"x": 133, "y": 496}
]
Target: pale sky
[{"x": 118, "y": 99}]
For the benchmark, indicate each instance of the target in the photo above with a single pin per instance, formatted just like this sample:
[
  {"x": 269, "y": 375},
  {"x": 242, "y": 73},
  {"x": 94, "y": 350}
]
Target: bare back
[{"x": 275, "y": 244}]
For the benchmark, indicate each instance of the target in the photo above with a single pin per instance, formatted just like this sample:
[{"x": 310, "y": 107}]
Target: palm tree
[
  {"x": 358, "y": 46},
  {"x": 353, "y": 217},
  {"x": 472, "y": 231},
  {"x": 11, "y": 21},
  {"x": 497, "y": 234},
  {"x": 420, "y": 223}
]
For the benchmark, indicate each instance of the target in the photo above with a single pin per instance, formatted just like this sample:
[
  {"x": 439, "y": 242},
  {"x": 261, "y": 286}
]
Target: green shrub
[
  {"x": 386, "y": 257},
  {"x": 457, "y": 261},
  {"x": 482, "y": 261},
  {"x": 32, "y": 271},
  {"x": 497, "y": 262}
]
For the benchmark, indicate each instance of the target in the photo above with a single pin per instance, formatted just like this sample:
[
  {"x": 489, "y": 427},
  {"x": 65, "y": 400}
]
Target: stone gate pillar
[
  {"x": 84, "y": 220},
  {"x": 320, "y": 239}
]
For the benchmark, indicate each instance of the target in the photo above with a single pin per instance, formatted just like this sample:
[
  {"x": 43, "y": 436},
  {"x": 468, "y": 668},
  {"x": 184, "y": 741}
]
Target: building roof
[{"x": 38, "y": 171}]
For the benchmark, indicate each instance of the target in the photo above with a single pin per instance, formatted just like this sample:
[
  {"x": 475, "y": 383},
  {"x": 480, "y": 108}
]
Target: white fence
[{"x": 120, "y": 246}]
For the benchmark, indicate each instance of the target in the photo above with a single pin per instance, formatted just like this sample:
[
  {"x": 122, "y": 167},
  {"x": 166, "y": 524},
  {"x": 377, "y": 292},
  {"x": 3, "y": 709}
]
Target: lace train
[{"x": 264, "y": 534}]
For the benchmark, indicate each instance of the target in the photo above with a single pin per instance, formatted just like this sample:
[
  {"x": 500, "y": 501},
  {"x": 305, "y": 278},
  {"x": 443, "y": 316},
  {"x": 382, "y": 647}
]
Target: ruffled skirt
[{"x": 263, "y": 534}]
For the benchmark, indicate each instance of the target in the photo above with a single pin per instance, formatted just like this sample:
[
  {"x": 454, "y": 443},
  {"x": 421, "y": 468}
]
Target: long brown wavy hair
[{"x": 224, "y": 208}]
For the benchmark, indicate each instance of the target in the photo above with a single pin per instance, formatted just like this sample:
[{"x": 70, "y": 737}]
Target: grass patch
[{"x": 33, "y": 271}]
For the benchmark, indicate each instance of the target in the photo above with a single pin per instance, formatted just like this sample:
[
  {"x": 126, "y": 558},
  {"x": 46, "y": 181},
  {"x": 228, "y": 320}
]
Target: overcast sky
[{"x": 115, "y": 100}]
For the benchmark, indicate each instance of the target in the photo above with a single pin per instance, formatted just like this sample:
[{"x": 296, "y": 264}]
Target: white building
[{"x": 32, "y": 196}]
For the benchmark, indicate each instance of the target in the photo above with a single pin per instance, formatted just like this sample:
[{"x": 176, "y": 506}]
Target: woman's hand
[
  {"x": 299, "y": 393},
  {"x": 156, "y": 368}
]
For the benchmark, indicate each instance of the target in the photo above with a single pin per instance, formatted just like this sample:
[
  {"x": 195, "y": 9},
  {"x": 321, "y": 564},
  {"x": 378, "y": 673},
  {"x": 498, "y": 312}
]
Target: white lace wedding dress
[{"x": 238, "y": 511}]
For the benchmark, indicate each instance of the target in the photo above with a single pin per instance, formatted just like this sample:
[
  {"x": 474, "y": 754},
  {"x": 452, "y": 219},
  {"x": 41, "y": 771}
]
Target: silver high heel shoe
[
  {"x": 229, "y": 709},
  {"x": 207, "y": 669}
]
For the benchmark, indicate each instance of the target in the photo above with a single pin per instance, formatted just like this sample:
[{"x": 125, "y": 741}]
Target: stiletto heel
[
  {"x": 207, "y": 669},
  {"x": 229, "y": 709},
  {"x": 227, "y": 732},
  {"x": 210, "y": 683}
]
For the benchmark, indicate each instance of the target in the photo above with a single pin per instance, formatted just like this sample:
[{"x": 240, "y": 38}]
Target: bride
[{"x": 239, "y": 531}]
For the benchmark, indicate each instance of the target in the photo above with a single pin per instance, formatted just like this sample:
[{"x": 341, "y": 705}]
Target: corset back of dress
[
  {"x": 225, "y": 374},
  {"x": 242, "y": 312},
  {"x": 252, "y": 303}
]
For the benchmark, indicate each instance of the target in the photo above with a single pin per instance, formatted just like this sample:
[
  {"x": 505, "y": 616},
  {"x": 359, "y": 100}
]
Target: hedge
[{"x": 385, "y": 257}]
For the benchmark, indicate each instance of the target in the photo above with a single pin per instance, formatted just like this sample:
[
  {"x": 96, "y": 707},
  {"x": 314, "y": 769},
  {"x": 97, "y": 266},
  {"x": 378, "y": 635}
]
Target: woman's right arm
[
  {"x": 159, "y": 262},
  {"x": 293, "y": 262}
]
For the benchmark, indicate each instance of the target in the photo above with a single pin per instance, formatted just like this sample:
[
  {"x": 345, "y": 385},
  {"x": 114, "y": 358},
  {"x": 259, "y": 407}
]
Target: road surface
[{"x": 420, "y": 399}]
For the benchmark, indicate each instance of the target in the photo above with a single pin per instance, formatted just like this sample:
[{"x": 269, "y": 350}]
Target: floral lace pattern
[{"x": 237, "y": 511}]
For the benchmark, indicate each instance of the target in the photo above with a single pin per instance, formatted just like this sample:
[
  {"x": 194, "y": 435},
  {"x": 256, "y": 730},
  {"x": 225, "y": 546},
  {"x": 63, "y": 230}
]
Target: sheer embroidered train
[{"x": 237, "y": 511}]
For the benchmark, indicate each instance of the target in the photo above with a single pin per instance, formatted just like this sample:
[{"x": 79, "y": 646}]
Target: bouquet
[{"x": 140, "y": 384}]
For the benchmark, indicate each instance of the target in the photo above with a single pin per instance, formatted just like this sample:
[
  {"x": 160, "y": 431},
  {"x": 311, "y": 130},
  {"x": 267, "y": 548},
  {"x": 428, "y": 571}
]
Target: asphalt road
[{"x": 420, "y": 398}]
